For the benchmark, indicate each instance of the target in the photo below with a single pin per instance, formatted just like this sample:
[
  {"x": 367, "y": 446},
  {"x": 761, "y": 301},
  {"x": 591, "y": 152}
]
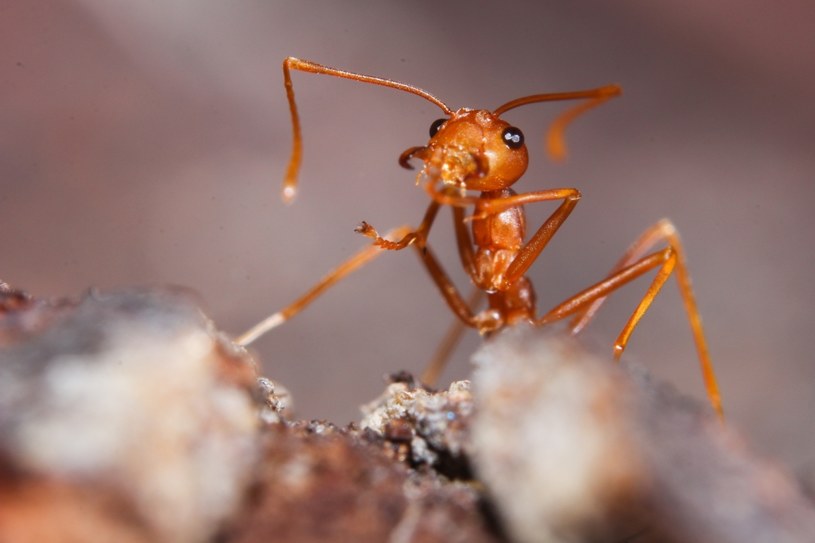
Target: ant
[{"x": 476, "y": 150}]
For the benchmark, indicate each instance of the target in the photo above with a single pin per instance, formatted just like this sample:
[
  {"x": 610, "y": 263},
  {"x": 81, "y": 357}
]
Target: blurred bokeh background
[{"x": 144, "y": 143}]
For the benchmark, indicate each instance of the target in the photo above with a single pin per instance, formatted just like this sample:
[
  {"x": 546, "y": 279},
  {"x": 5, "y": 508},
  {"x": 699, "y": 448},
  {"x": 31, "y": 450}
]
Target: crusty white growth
[
  {"x": 132, "y": 399},
  {"x": 394, "y": 403},
  {"x": 438, "y": 419},
  {"x": 573, "y": 447},
  {"x": 400, "y": 400},
  {"x": 544, "y": 436},
  {"x": 277, "y": 401}
]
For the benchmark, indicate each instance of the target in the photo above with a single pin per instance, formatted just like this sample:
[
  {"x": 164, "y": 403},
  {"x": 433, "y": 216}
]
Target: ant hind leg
[
  {"x": 669, "y": 260},
  {"x": 452, "y": 337}
]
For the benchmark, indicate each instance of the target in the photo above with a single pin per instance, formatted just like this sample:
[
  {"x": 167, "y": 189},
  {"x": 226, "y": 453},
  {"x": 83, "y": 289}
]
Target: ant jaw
[
  {"x": 419, "y": 152},
  {"x": 456, "y": 165},
  {"x": 452, "y": 165},
  {"x": 433, "y": 174}
]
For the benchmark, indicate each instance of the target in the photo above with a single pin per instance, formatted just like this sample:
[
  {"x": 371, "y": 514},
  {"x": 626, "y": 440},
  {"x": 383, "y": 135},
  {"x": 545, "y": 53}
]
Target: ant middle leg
[{"x": 485, "y": 208}]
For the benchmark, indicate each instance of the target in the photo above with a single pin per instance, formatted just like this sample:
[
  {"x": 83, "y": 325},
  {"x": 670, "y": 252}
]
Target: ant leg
[
  {"x": 459, "y": 306},
  {"x": 484, "y": 322},
  {"x": 667, "y": 260},
  {"x": 663, "y": 231},
  {"x": 533, "y": 248},
  {"x": 340, "y": 272},
  {"x": 464, "y": 242},
  {"x": 453, "y": 297},
  {"x": 484, "y": 207},
  {"x": 418, "y": 236},
  {"x": 433, "y": 370},
  {"x": 599, "y": 290}
]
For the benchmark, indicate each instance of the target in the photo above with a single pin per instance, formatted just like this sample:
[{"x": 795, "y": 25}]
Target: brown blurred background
[{"x": 144, "y": 143}]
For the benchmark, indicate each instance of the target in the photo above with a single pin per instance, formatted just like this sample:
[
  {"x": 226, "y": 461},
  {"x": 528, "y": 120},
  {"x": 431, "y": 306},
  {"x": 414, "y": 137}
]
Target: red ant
[{"x": 476, "y": 150}]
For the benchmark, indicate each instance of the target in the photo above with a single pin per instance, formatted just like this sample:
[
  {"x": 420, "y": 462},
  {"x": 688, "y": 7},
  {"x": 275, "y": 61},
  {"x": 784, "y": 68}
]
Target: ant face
[{"x": 472, "y": 150}]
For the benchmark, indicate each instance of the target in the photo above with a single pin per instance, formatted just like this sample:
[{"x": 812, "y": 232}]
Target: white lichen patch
[
  {"x": 132, "y": 395},
  {"x": 437, "y": 421},
  {"x": 277, "y": 401},
  {"x": 550, "y": 439}
]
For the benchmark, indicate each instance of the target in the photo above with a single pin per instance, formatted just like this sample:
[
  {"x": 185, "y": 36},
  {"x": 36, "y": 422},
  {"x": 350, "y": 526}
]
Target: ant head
[
  {"x": 470, "y": 149},
  {"x": 474, "y": 150}
]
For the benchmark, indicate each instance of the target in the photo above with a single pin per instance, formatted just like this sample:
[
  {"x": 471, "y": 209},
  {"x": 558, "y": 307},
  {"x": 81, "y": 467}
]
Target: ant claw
[{"x": 366, "y": 230}]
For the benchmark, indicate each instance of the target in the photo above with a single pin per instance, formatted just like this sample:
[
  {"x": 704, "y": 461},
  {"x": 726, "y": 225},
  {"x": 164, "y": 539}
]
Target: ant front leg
[
  {"x": 334, "y": 276},
  {"x": 537, "y": 243},
  {"x": 533, "y": 248},
  {"x": 417, "y": 237},
  {"x": 463, "y": 309},
  {"x": 486, "y": 206}
]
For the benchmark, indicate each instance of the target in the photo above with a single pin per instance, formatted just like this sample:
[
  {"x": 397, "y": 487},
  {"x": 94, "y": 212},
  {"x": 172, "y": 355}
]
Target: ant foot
[
  {"x": 367, "y": 230},
  {"x": 488, "y": 321}
]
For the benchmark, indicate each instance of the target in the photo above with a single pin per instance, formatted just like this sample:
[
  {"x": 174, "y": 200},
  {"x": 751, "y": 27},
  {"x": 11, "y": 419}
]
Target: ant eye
[
  {"x": 513, "y": 137},
  {"x": 436, "y": 126}
]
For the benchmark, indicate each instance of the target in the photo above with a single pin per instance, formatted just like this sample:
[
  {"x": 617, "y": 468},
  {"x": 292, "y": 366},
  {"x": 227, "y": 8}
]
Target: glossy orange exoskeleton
[{"x": 476, "y": 151}]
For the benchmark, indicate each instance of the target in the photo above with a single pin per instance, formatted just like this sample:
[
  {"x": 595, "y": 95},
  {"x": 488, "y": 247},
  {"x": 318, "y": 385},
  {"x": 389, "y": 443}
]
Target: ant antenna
[
  {"x": 555, "y": 142},
  {"x": 291, "y": 63}
]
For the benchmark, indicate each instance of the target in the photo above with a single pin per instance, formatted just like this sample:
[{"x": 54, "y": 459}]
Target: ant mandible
[{"x": 476, "y": 150}]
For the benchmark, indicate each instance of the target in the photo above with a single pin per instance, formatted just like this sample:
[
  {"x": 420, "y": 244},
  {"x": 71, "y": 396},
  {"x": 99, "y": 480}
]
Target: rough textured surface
[
  {"x": 43, "y": 510},
  {"x": 128, "y": 417},
  {"x": 22, "y": 316},
  {"x": 132, "y": 394},
  {"x": 558, "y": 470},
  {"x": 429, "y": 428},
  {"x": 596, "y": 452},
  {"x": 320, "y": 483}
]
